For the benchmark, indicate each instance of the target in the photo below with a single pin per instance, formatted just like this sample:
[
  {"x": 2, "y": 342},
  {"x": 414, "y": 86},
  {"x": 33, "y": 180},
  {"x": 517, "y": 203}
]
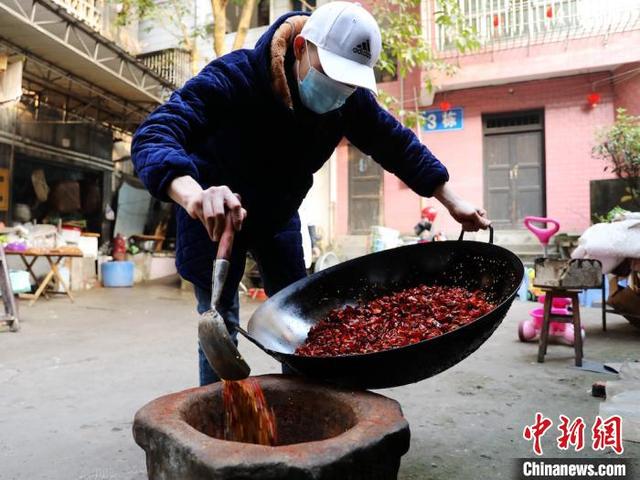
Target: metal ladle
[{"x": 220, "y": 350}]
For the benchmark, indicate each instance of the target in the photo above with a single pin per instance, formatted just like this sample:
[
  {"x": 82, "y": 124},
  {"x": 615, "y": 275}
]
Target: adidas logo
[{"x": 363, "y": 49}]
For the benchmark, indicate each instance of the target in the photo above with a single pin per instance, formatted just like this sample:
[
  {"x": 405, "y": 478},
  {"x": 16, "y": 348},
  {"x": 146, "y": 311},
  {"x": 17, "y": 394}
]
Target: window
[
  {"x": 259, "y": 18},
  {"x": 263, "y": 13},
  {"x": 365, "y": 192},
  {"x": 303, "y": 5}
]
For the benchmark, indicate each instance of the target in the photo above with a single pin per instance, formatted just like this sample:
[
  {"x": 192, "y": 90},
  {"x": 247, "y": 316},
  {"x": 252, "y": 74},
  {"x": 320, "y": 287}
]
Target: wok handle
[
  {"x": 490, "y": 235},
  {"x": 246, "y": 335}
]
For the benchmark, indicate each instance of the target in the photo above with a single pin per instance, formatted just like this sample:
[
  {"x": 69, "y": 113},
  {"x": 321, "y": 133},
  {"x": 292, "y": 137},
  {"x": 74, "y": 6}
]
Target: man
[{"x": 245, "y": 136}]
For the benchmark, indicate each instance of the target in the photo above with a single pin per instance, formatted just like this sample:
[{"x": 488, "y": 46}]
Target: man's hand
[
  {"x": 209, "y": 206},
  {"x": 471, "y": 217}
]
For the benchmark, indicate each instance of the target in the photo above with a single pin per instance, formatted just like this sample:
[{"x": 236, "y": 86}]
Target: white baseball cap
[{"x": 348, "y": 41}]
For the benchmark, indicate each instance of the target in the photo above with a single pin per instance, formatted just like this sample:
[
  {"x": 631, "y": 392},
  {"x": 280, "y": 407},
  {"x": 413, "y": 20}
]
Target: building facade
[
  {"x": 71, "y": 93},
  {"x": 517, "y": 123}
]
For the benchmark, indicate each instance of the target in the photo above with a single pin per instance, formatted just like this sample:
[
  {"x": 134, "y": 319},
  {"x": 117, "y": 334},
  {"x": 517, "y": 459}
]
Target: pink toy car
[{"x": 529, "y": 330}]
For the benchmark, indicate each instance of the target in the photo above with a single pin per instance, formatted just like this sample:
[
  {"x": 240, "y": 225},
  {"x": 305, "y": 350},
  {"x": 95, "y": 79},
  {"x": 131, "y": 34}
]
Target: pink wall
[
  {"x": 401, "y": 206},
  {"x": 570, "y": 127},
  {"x": 627, "y": 88}
]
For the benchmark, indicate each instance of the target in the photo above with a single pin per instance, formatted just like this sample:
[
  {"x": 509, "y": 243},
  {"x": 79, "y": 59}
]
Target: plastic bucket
[
  {"x": 117, "y": 274},
  {"x": 20, "y": 281}
]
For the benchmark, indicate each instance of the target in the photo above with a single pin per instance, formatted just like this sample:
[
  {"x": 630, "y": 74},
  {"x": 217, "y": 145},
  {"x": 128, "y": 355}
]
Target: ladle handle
[
  {"x": 222, "y": 261},
  {"x": 490, "y": 235},
  {"x": 225, "y": 243}
]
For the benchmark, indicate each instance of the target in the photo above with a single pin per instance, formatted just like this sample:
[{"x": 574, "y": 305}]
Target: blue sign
[{"x": 439, "y": 120}]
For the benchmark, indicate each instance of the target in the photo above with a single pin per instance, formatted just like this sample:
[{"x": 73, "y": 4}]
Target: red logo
[
  {"x": 607, "y": 433},
  {"x": 571, "y": 433},
  {"x": 536, "y": 431}
]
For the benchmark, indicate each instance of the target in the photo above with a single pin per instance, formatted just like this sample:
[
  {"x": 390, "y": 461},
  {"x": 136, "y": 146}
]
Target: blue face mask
[{"x": 320, "y": 93}]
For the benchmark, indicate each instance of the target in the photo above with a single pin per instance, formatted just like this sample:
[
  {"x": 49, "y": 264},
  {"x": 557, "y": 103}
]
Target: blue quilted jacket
[{"x": 227, "y": 126}]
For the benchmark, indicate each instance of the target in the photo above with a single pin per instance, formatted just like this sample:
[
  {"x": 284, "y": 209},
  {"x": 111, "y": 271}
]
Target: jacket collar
[{"x": 274, "y": 52}]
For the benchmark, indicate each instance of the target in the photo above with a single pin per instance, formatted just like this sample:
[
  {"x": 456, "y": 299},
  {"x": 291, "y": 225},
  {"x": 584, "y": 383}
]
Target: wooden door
[{"x": 514, "y": 168}]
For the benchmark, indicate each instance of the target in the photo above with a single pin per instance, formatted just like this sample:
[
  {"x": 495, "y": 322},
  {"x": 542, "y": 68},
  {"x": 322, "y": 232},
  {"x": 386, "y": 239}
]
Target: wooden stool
[{"x": 550, "y": 294}]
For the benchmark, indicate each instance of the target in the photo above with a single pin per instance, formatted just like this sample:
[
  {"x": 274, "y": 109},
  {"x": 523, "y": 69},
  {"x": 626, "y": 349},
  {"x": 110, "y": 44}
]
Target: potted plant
[{"x": 619, "y": 147}]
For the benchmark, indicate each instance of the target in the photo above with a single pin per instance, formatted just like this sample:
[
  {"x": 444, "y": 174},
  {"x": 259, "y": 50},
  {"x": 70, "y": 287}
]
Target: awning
[{"x": 67, "y": 57}]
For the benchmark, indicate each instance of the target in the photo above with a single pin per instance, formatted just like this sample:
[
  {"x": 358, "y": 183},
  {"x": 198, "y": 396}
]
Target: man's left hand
[{"x": 470, "y": 217}]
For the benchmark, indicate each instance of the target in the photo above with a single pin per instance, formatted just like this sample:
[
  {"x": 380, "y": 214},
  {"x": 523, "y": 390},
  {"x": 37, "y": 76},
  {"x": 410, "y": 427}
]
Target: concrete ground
[{"x": 72, "y": 379}]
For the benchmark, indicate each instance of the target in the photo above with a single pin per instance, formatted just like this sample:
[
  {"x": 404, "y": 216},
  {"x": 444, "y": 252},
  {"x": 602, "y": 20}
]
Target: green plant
[
  {"x": 611, "y": 215},
  {"x": 407, "y": 48},
  {"x": 619, "y": 146},
  {"x": 176, "y": 17}
]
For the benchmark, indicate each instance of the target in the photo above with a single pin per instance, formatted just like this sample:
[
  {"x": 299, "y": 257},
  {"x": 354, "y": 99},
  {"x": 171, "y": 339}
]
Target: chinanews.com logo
[{"x": 363, "y": 49}]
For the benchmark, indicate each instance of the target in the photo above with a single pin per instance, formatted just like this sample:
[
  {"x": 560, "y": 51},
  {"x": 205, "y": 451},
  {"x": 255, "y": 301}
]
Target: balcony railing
[
  {"x": 172, "y": 64},
  {"x": 504, "y": 24},
  {"x": 87, "y": 11}
]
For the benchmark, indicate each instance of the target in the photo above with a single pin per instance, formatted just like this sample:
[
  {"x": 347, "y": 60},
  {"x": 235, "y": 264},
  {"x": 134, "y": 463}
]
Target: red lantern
[
  {"x": 549, "y": 11},
  {"x": 496, "y": 21},
  {"x": 445, "y": 106},
  {"x": 593, "y": 99}
]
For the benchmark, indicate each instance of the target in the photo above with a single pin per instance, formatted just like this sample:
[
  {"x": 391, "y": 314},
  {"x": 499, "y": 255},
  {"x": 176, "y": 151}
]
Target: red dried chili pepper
[
  {"x": 402, "y": 318},
  {"x": 247, "y": 418}
]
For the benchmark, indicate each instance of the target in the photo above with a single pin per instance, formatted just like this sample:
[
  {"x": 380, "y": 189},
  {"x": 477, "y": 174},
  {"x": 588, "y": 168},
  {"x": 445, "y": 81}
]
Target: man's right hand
[{"x": 209, "y": 206}]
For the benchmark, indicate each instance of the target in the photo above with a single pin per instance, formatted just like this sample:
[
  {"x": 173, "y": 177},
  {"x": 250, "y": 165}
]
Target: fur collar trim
[{"x": 280, "y": 43}]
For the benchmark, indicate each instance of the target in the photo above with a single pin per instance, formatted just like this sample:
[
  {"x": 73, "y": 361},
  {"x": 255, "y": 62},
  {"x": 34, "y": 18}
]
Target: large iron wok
[{"x": 281, "y": 324}]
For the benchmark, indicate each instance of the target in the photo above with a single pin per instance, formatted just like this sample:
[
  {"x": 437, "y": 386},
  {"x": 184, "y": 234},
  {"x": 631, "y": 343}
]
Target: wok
[{"x": 281, "y": 324}]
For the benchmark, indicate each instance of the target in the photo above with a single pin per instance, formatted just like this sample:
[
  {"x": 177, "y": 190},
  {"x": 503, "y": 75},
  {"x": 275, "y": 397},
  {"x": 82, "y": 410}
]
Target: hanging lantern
[
  {"x": 496, "y": 21},
  {"x": 593, "y": 99},
  {"x": 445, "y": 106},
  {"x": 549, "y": 11}
]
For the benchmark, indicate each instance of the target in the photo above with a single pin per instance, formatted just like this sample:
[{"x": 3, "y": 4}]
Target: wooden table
[{"x": 54, "y": 256}]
